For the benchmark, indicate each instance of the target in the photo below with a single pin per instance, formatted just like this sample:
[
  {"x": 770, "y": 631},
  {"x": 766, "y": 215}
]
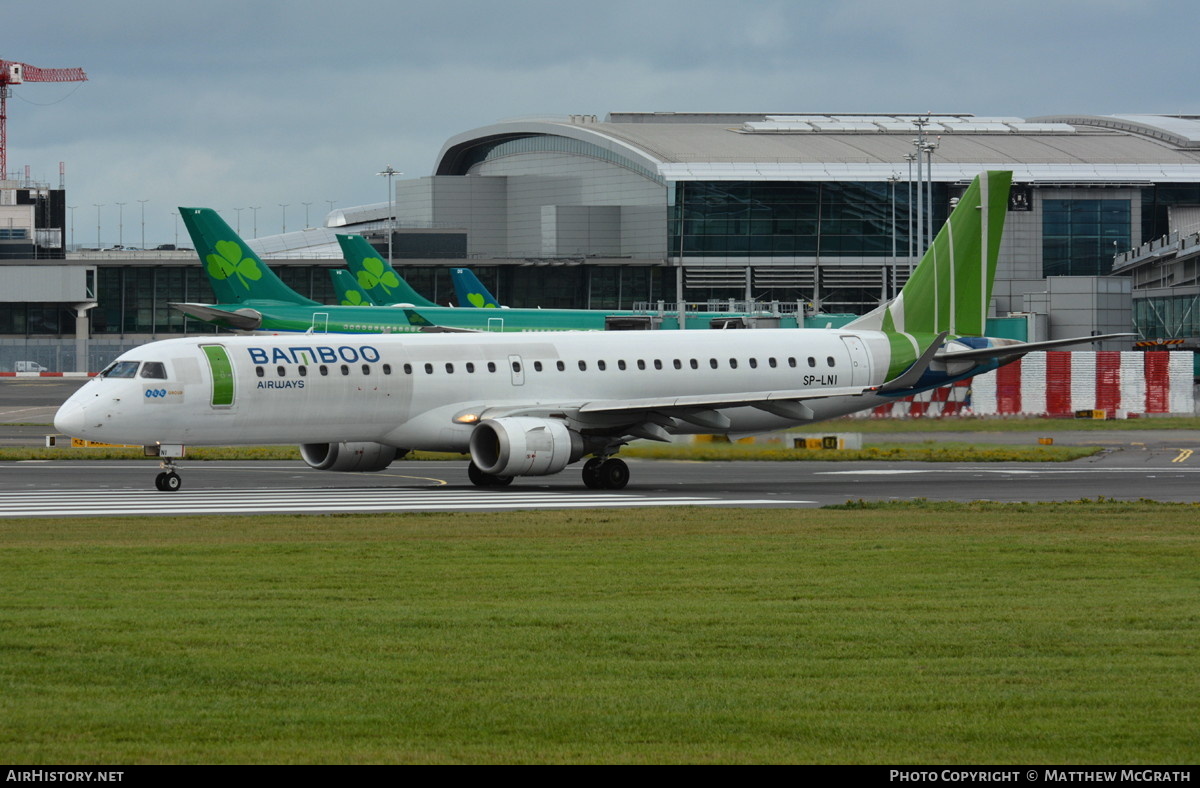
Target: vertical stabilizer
[
  {"x": 469, "y": 291},
  {"x": 235, "y": 272},
  {"x": 347, "y": 289},
  {"x": 375, "y": 276},
  {"x": 952, "y": 286}
]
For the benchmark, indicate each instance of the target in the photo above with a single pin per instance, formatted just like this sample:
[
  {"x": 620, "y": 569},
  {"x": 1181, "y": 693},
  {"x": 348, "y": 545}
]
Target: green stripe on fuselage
[{"x": 222, "y": 375}]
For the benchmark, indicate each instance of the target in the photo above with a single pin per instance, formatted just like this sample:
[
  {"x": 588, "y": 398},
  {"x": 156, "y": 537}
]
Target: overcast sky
[{"x": 236, "y": 103}]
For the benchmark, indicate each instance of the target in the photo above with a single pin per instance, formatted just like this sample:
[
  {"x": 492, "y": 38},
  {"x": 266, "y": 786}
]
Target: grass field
[{"x": 985, "y": 633}]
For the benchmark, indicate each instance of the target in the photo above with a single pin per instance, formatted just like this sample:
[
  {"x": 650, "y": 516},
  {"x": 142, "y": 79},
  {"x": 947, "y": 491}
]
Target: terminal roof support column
[{"x": 82, "y": 332}]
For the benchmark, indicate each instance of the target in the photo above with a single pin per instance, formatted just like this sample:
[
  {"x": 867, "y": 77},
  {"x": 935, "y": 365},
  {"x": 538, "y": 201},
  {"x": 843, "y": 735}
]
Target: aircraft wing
[
  {"x": 1017, "y": 349},
  {"x": 635, "y": 416}
]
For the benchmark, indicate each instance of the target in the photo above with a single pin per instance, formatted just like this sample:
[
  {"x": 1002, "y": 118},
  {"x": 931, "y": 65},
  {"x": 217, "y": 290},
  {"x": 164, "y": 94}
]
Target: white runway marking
[{"x": 106, "y": 503}]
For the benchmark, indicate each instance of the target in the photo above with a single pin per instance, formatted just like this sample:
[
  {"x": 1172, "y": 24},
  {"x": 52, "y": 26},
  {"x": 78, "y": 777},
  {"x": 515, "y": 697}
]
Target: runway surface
[{"x": 1157, "y": 464}]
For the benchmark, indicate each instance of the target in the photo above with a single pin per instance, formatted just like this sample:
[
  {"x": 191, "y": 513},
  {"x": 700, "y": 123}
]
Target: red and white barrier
[{"x": 1059, "y": 383}]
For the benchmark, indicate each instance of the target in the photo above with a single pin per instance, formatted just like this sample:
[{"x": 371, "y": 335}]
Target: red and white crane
[{"x": 13, "y": 73}]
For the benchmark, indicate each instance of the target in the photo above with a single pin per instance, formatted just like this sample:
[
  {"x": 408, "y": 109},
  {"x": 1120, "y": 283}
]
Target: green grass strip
[{"x": 1065, "y": 634}]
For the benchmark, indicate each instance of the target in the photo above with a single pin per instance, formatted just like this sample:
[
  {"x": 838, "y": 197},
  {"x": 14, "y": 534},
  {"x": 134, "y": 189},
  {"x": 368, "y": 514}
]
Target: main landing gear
[{"x": 605, "y": 474}]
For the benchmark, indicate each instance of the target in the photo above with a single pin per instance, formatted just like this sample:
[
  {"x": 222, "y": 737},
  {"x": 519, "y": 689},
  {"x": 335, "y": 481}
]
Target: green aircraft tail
[
  {"x": 236, "y": 273},
  {"x": 375, "y": 276},
  {"x": 347, "y": 289},
  {"x": 951, "y": 288}
]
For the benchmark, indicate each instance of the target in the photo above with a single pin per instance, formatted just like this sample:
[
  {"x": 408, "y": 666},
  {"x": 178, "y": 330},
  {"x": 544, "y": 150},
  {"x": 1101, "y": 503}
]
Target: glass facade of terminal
[
  {"x": 1080, "y": 237},
  {"x": 784, "y": 218},
  {"x": 1169, "y": 317}
]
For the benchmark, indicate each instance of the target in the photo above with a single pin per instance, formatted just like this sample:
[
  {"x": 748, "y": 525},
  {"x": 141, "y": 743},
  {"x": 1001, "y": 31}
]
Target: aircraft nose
[{"x": 70, "y": 418}]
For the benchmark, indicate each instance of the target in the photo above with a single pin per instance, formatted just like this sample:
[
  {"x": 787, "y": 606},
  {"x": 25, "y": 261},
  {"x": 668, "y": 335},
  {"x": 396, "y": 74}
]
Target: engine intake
[
  {"x": 348, "y": 457},
  {"x": 524, "y": 446}
]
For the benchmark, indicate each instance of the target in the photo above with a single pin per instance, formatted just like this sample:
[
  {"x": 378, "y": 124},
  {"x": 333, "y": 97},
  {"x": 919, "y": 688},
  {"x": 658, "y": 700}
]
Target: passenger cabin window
[
  {"x": 829, "y": 360},
  {"x": 407, "y": 369},
  {"x": 303, "y": 371},
  {"x": 121, "y": 369},
  {"x": 812, "y": 362},
  {"x": 280, "y": 371},
  {"x": 641, "y": 363},
  {"x": 470, "y": 366},
  {"x": 561, "y": 366},
  {"x": 712, "y": 362},
  {"x": 324, "y": 370},
  {"x": 657, "y": 363},
  {"x": 791, "y": 361},
  {"x": 429, "y": 369},
  {"x": 516, "y": 366},
  {"x": 366, "y": 369},
  {"x": 753, "y": 363},
  {"x": 733, "y": 363},
  {"x": 154, "y": 369},
  {"x": 771, "y": 362},
  {"x": 583, "y": 366},
  {"x": 449, "y": 369},
  {"x": 695, "y": 364},
  {"x": 259, "y": 371},
  {"x": 678, "y": 364},
  {"x": 387, "y": 369},
  {"x": 601, "y": 365},
  {"x": 345, "y": 369},
  {"x": 491, "y": 366},
  {"x": 621, "y": 364}
]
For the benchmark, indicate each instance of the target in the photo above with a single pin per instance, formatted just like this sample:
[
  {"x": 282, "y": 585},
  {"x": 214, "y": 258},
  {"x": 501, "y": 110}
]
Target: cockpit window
[
  {"x": 154, "y": 369},
  {"x": 122, "y": 369}
]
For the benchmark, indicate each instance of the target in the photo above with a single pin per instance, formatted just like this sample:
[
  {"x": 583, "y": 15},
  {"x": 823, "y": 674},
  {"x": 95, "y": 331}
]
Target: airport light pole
[
  {"x": 255, "y": 208},
  {"x": 72, "y": 207},
  {"x": 307, "y": 224},
  {"x": 98, "y": 207},
  {"x": 121, "y": 224},
  {"x": 143, "y": 202},
  {"x": 284, "y": 206},
  {"x": 239, "y": 219},
  {"x": 390, "y": 173}
]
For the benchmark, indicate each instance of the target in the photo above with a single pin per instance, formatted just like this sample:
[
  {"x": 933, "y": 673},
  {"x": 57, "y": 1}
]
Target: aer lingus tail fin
[
  {"x": 375, "y": 276},
  {"x": 347, "y": 289},
  {"x": 469, "y": 291},
  {"x": 235, "y": 272}
]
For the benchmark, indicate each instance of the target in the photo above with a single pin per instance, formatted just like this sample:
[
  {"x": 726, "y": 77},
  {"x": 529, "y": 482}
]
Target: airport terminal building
[{"x": 819, "y": 212}]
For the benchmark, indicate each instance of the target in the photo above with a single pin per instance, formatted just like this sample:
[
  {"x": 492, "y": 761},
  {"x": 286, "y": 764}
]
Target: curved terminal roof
[{"x": 1068, "y": 149}]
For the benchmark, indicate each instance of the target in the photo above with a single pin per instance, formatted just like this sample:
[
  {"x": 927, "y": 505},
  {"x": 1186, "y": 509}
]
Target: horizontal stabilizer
[
  {"x": 241, "y": 319},
  {"x": 1018, "y": 349}
]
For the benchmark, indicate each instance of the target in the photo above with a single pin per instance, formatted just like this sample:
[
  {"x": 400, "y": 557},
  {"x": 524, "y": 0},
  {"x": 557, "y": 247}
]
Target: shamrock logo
[
  {"x": 477, "y": 300},
  {"x": 228, "y": 261},
  {"x": 353, "y": 298},
  {"x": 373, "y": 275}
]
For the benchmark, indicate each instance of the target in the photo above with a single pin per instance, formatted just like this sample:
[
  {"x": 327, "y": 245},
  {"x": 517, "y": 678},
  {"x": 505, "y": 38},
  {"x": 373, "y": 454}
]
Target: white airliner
[{"x": 531, "y": 404}]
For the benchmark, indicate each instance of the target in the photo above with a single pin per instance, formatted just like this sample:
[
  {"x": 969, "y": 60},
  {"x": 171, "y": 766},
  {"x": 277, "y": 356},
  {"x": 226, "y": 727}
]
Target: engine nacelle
[
  {"x": 524, "y": 446},
  {"x": 348, "y": 457}
]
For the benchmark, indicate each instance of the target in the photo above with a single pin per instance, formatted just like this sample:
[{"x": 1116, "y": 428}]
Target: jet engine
[
  {"x": 348, "y": 457},
  {"x": 524, "y": 446}
]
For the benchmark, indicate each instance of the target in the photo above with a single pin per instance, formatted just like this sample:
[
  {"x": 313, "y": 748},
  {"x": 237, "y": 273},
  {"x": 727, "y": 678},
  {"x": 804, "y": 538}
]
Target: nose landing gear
[{"x": 168, "y": 479}]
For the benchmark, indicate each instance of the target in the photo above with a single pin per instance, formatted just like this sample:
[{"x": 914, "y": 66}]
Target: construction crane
[{"x": 13, "y": 73}]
